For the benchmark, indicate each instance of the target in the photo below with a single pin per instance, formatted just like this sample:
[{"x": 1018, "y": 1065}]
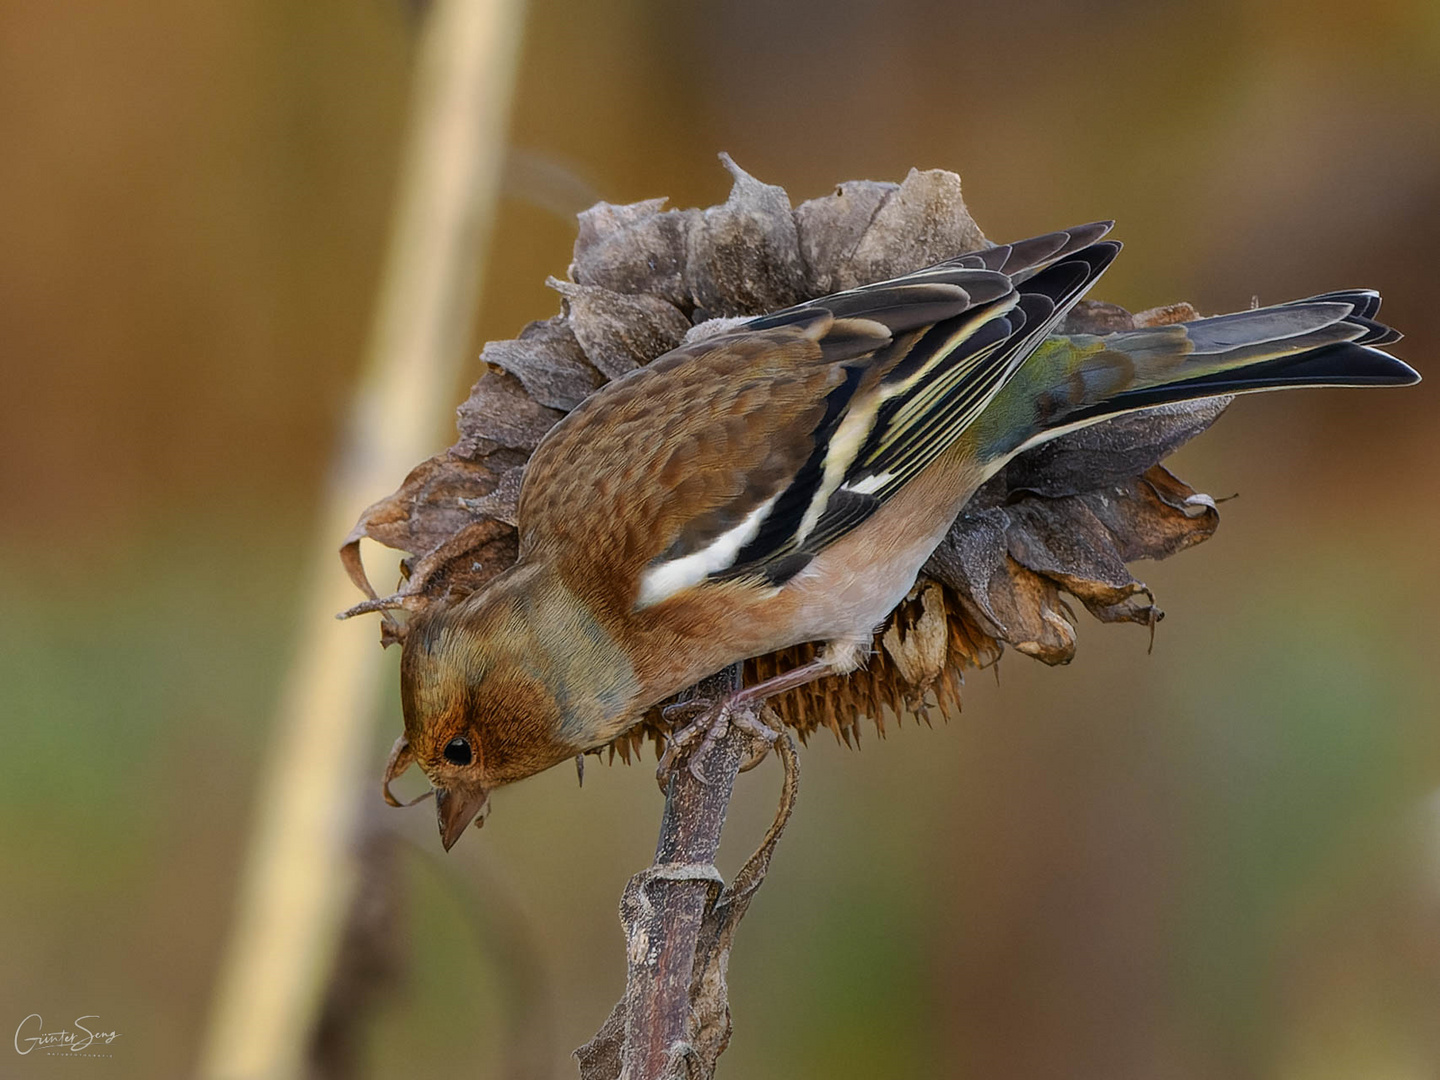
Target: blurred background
[{"x": 1222, "y": 859}]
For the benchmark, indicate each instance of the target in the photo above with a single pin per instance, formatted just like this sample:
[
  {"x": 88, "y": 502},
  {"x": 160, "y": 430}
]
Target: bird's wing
[{"x": 744, "y": 455}]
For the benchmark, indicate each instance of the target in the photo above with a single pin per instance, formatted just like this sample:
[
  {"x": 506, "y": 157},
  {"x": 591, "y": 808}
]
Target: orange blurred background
[{"x": 1222, "y": 859}]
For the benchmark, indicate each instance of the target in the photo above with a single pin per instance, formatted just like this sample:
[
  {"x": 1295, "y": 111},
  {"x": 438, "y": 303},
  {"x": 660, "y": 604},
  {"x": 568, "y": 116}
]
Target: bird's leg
[
  {"x": 789, "y": 680},
  {"x": 708, "y": 728},
  {"x": 715, "y": 718}
]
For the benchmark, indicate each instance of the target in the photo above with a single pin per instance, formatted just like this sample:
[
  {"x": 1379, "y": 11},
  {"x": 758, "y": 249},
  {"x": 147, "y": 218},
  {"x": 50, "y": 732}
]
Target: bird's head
[{"x": 503, "y": 685}]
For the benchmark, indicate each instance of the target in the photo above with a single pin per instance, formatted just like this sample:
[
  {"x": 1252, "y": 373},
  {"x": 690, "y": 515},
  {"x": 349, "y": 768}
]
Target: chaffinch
[{"x": 784, "y": 481}]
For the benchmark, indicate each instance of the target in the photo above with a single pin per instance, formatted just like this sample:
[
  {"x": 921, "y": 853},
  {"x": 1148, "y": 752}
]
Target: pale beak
[{"x": 457, "y": 808}]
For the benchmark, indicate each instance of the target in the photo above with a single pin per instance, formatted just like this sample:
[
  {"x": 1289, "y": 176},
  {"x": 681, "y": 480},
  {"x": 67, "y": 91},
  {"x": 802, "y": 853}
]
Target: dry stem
[{"x": 680, "y": 918}]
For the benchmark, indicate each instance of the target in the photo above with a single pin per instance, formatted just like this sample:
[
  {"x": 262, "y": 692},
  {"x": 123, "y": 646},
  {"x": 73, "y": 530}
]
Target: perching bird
[{"x": 784, "y": 481}]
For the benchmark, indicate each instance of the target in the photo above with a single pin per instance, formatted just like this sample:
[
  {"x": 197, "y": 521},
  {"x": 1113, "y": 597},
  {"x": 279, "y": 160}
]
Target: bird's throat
[{"x": 592, "y": 677}]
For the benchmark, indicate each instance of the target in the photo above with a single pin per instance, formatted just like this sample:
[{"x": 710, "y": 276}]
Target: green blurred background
[{"x": 1222, "y": 859}]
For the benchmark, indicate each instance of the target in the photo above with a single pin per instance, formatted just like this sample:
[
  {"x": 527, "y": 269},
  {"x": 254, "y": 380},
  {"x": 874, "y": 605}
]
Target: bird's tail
[{"x": 1075, "y": 380}]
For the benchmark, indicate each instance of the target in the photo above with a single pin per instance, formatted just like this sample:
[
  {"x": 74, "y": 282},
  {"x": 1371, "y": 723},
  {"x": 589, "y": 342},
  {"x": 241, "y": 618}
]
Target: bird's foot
[
  {"x": 685, "y": 710},
  {"x": 711, "y": 721}
]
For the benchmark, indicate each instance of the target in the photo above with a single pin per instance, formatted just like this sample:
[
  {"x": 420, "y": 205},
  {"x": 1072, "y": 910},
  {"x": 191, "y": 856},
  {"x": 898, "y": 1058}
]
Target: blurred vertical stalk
[{"x": 301, "y": 866}]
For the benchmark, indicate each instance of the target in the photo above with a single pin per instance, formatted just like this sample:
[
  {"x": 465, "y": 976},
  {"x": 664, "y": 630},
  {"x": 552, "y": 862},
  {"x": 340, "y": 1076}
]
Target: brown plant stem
[
  {"x": 670, "y": 900},
  {"x": 680, "y": 917}
]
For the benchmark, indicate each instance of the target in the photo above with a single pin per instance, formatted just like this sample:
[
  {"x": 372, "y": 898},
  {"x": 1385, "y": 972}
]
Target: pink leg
[
  {"x": 715, "y": 718},
  {"x": 789, "y": 680}
]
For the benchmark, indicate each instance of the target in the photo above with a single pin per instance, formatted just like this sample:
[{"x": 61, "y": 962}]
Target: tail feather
[
  {"x": 1072, "y": 381},
  {"x": 1345, "y": 364},
  {"x": 1287, "y": 326},
  {"x": 1365, "y": 305}
]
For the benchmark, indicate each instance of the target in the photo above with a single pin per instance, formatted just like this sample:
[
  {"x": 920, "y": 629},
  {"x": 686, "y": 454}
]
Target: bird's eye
[{"x": 458, "y": 752}]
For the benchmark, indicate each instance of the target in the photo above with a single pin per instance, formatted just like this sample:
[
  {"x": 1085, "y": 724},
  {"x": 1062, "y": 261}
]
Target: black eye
[{"x": 458, "y": 752}]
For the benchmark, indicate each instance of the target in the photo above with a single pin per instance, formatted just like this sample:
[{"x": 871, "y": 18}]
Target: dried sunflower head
[{"x": 1064, "y": 518}]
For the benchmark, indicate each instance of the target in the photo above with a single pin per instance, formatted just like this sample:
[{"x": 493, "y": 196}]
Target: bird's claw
[
  {"x": 677, "y": 741},
  {"x": 684, "y": 710},
  {"x": 712, "y": 721}
]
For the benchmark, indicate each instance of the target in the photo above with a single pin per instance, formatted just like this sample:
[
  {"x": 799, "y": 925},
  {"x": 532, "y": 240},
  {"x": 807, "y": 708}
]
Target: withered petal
[
  {"x": 1108, "y": 453},
  {"x": 743, "y": 258},
  {"x": 922, "y": 222},
  {"x": 549, "y": 362},
  {"x": 830, "y": 229},
  {"x": 635, "y": 249},
  {"x": 1097, "y": 317},
  {"x": 499, "y": 413},
  {"x": 619, "y": 332},
  {"x": 1166, "y": 314}
]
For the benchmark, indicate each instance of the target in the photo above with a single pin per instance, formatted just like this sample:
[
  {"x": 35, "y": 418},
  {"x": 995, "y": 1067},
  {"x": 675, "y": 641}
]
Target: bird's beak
[{"x": 456, "y": 808}]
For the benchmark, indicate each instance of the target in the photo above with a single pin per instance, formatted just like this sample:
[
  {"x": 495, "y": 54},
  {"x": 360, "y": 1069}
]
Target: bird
[{"x": 783, "y": 481}]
